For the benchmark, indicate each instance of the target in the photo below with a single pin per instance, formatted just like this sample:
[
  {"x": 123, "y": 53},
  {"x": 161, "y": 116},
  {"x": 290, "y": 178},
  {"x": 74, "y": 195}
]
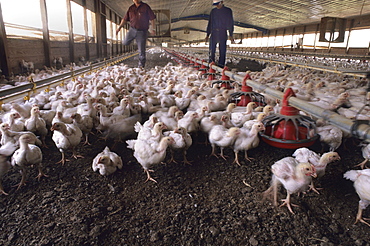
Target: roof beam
[
  {"x": 186, "y": 28},
  {"x": 206, "y": 17}
]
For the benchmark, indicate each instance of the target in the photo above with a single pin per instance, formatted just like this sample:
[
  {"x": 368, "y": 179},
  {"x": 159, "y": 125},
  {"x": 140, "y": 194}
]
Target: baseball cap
[{"x": 216, "y": 2}]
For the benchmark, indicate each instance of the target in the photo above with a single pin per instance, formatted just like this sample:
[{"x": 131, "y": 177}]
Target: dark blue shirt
[{"x": 221, "y": 19}]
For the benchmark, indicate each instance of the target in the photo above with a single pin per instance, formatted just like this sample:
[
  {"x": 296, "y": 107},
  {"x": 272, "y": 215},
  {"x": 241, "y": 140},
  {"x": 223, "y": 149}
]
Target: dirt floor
[{"x": 211, "y": 202}]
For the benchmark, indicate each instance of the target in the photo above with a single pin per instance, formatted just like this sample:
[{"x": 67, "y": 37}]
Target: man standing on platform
[
  {"x": 139, "y": 15},
  {"x": 220, "y": 21}
]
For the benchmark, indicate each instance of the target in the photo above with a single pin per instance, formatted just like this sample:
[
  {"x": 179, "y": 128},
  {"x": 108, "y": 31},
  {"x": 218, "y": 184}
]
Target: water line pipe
[{"x": 358, "y": 129}]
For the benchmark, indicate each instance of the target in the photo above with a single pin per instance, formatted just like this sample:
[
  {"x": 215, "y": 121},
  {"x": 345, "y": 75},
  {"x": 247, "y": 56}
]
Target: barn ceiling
[{"x": 189, "y": 17}]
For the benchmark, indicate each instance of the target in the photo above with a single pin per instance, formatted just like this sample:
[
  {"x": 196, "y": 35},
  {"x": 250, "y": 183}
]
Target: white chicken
[
  {"x": 226, "y": 122},
  {"x": 14, "y": 122},
  {"x": 105, "y": 118},
  {"x": 249, "y": 123},
  {"x": 190, "y": 123},
  {"x": 88, "y": 109},
  {"x": 172, "y": 123},
  {"x": 238, "y": 118},
  {"x": 361, "y": 179},
  {"x": 22, "y": 109},
  {"x": 107, "y": 162},
  {"x": 329, "y": 135},
  {"x": 219, "y": 103},
  {"x": 85, "y": 123},
  {"x": 147, "y": 107},
  {"x": 294, "y": 176},
  {"x": 59, "y": 117},
  {"x": 37, "y": 124},
  {"x": 268, "y": 110},
  {"x": 366, "y": 154},
  {"x": 151, "y": 121},
  {"x": 222, "y": 137},
  {"x": 208, "y": 122},
  {"x": 27, "y": 155},
  {"x": 183, "y": 102},
  {"x": 228, "y": 111},
  {"x": 150, "y": 153},
  {"x": 320, "y": 162},
  {"x": 48, "y": 116},
  {"x": 168, "y": 117},
  {"x": 123, "y": 108},
  {"x": 9, "y": 136},
  {"x": 122, "y": 129},
  {"x": 150, "y": 134},
  {"x": 65, "y": 137},
  {"x": 5, "y": 164},
  {"x": 182, "y": 141},
  {"x": 246, "y": 140}
]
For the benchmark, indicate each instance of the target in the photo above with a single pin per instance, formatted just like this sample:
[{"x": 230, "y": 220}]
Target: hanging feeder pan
[
  {"x": 196, "y": 65},
  {"x": 203, "y": 68},
  {"x": 225, "y": 80},
  {"x": 247, "y": 95},
  {"x": 211, "y": 72},
  {"x": 289, "y": 129}
]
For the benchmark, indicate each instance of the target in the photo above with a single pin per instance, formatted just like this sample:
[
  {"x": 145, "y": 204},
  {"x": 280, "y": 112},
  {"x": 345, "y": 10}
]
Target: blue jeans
[
  {"x": 140, "y": 36},
  {"x": 218, "y": 37}
]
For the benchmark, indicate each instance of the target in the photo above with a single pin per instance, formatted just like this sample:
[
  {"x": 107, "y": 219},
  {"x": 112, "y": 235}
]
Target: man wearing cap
[
  {"x": 220, "y": 21},
  {"x": 139, "y": 15}
]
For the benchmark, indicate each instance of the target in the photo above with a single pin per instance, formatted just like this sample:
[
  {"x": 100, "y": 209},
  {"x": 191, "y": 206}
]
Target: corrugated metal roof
[{"x": 264, "y": 14}]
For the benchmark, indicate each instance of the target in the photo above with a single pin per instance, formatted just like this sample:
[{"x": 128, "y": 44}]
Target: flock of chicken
[{"x": 163, "y": 109}]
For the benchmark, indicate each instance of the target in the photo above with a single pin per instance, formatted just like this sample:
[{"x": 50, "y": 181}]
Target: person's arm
[
  {"x": 231, "y": 27},
  {"x": 209, "y": 27},
  {"x": 152, "y": 27},
  {"x": 123, "y": 22}
]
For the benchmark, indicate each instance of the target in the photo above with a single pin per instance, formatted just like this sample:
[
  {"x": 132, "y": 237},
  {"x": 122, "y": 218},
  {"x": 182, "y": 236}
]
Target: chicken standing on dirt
[
  {"x": 320, "y": 163},
  {"x": 361, "y": 179},
  {"x": 182, "y": 142},
  {"x": 246, "y": 140},
  {"x": 65, "y": 137},
  {"x": 107, "y": 162},
  {"x": 27, "y": 155},
  {"x": 366, "y": 154},
  {"x": 149, "y": 153},
  {"x": 4, "y": 168},
  {"x": 294, "y": 176},
  {"x": 85, "y": 123},
  {"x": 222, "y": 137}
]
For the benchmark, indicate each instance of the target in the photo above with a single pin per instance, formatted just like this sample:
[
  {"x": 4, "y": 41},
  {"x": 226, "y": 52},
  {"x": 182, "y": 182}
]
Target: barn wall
[
  {"x": 60, "y": 49},
  {"x": 93, "y": 51},
  {"x": 23, "y": 49},
  {"x": 80, "y": 51}
]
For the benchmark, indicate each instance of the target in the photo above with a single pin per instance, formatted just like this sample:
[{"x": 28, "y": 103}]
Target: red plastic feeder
[
  {"x": 203, "y": 68},
  {"x": 191, "y": 62},
  {"x": 289, "y": 129},
  {"x": 247, "y": 95},
  {"x": 211, "y": 72},
  {"x": 225, "y": 80},
  {"x": 196, "y": 64}
]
